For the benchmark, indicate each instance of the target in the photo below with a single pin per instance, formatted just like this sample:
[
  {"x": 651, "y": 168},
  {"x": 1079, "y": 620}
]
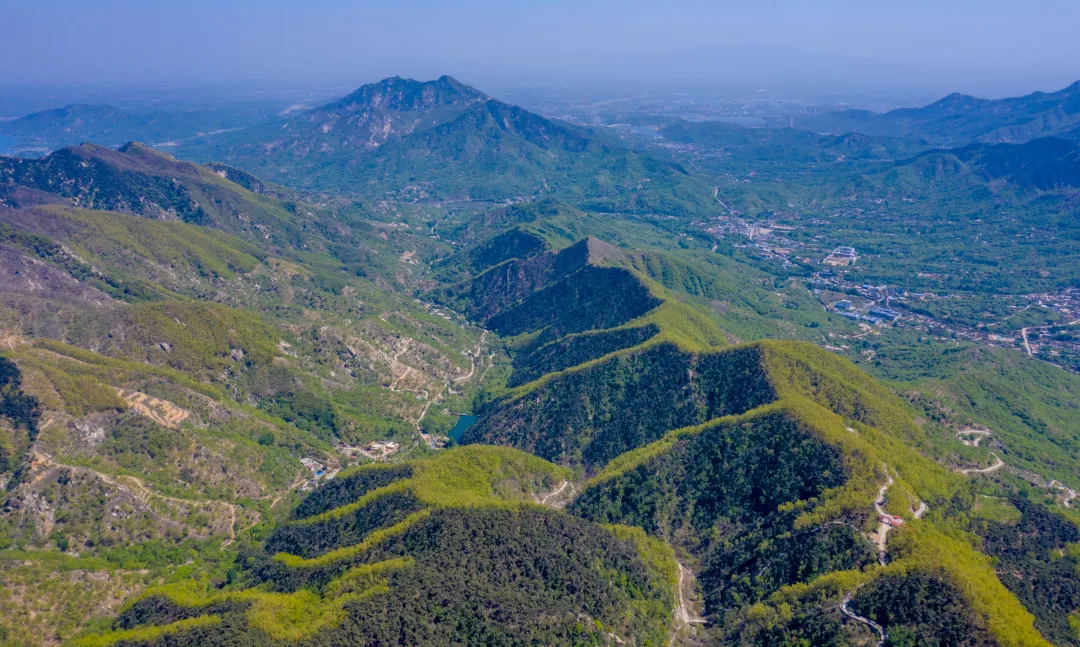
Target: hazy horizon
[{"x": 990, "y": 48}]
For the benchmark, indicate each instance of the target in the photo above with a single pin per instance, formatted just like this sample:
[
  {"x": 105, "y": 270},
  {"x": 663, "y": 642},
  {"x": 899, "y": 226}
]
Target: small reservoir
[{"x": 463, "y": 423}]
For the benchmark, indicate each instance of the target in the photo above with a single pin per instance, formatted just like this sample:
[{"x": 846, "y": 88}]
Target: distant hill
[
  {"x": 1044, "y": 164},
  {"x": 443, "y": 140},
  {"x": 138, "y": 180},
  {"x": 789, "y": 146},
  {"x": 959, "y": 119},
  {"x": 110, "y": 126}
]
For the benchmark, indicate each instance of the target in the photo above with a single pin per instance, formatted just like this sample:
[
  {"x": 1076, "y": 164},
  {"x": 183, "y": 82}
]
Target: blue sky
[{"x": 950, "y": 42}]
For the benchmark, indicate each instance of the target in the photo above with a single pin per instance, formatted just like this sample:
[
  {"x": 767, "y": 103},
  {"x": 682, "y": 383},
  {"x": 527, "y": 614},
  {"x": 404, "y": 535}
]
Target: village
[{"x": 326, "y": 469}]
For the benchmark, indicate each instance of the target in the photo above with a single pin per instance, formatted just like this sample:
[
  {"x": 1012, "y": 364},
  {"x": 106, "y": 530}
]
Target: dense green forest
[{"x": 452, "y": 573}]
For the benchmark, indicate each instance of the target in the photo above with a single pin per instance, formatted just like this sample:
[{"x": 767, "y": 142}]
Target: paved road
[{"x": 1024, "y": 334}]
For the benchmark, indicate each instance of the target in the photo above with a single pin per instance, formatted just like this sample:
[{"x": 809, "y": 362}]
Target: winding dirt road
[
  {"x": 430, "y": 399},
  {"x": 882, "y": 636},
  {"x": 883, "y": 528},
  {"x": 472, "y": 358},
  {"x": 685, "y": 614},
  {"x": 137, "y": 489},
  {"x": 998, "y": 464},
  {"x": 979, "y": 436},
  {"x": 545, "y": 499}
]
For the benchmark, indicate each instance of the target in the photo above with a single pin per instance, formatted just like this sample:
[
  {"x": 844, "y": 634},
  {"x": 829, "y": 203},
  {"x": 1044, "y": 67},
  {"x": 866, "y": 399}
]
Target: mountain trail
[
  {"x": 297, "y": 482},
  {"x": 473, "y": 358},
  {"x": 554, "y": 494},
  {"x": 979, "y": 436}
]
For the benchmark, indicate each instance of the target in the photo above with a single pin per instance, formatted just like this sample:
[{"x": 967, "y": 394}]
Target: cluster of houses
[
  {"x": 841, "y": 257},
  {"x": 318, "y": 471},
  {"x": 376, "y": 451},
  {"x": 875, "y": 314}
]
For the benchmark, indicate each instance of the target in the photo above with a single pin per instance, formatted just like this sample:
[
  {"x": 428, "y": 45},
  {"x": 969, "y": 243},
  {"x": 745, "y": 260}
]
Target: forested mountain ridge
[
  {"x": 722, "y": 407},
  {"x": 769, "y": 483},
  {"x": 428, "y": 553}
]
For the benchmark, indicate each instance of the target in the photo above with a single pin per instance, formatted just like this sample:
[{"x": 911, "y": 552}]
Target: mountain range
[
  {"x": 419, "y": 367},
  {"x": 763, "y": 469},
  {"x": 959, "y": 119},
  {"x": 444, "y": 141},
  {"x": 105, "y": 125}
]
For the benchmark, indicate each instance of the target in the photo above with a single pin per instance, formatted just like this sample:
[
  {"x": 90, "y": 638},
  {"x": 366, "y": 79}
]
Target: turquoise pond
[{"x": 463, "y": 423}]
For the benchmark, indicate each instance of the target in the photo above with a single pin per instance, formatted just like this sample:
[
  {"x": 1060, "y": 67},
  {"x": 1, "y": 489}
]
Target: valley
[{"x": 418, "y": 366}]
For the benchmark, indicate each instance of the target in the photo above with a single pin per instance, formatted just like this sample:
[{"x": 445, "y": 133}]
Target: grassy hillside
[
  {"x": 166, "y": 378},
  {"x": 137, "y": 179},
  {"x": 1030, "y": 407},
  {"x": 135, "y": 468}
]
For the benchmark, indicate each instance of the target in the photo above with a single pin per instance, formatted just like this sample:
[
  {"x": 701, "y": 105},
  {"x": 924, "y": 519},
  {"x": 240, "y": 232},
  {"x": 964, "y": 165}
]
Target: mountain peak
[
  {"x": 955, "y": 101},
  {"x": 409, "y": 95}
]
